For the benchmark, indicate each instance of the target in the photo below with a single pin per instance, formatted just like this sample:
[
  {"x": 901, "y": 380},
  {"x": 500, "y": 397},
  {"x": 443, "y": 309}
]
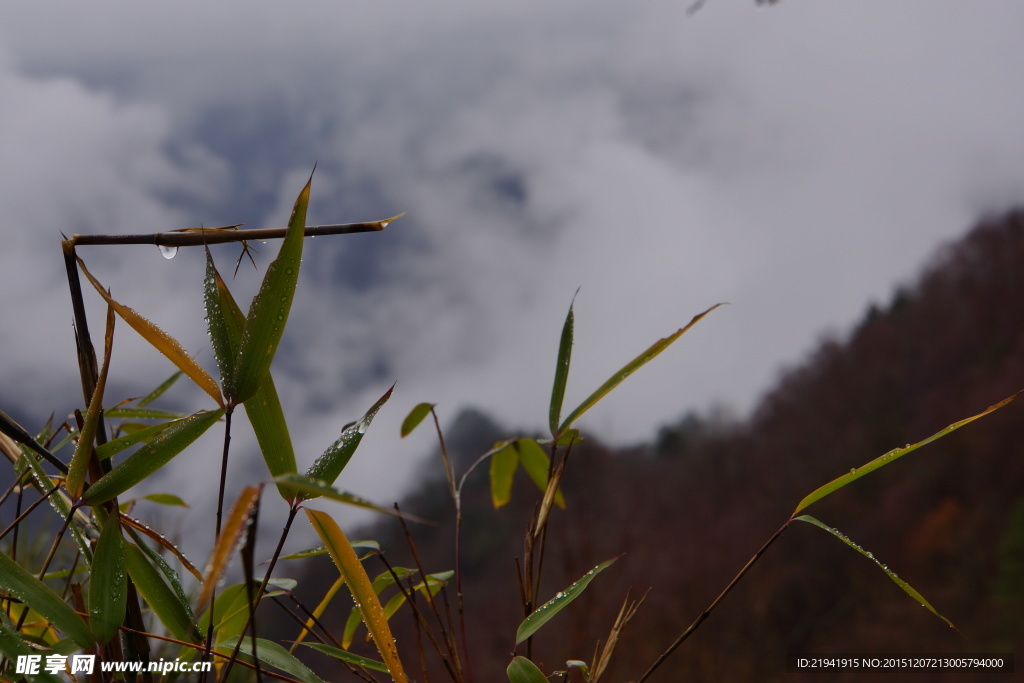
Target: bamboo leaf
[
  {"x": 269, "y": 310},
  {"x": 892, "y": 455},
  {"x": 224, "y": 348},
  {"x": 159, "y": 391},
  {"x": 134, "y": 525},
  {"x": 175, "y": 615},
  {"x": 537, "y": 464},
  {"x": 269, "y": 652},
  {"x": 145, "y": 413},
  {"x": 433, "y": 584},
  {"x": 379, "y": 583},
  {"x": 549, "y": 609},
  {"x": 627, "y": 370},
  {"x": 108, "y": 591},
  {"x": 60, "y": 502},
  {"x": 906, "y": 587},
  {"x": 231, "y": 610},
  {"x": 18, "y": 583},
  {"x": 362, "y": 590},
  {"x": 231, "y": 533},
  {"x": 268, "y": 423},
  {"x": 415, "y": 416},
  {"x": 364, "y": 662},
  {"x": 264, "y": 407},
  {"x": 170, "y": 576},
  {"x": 313, "y": 488},
  {"x": 329, "y": 465},
  {"x": 151, "y": 457},
  {"x": 111, "y": 448},
  {"x": 165, "y": 499},
  {"x": 504, "y": 463},
  {"x": 561, "y": 371},
  {"x": 321, "y": 550},
  {"x": 160, "y": 340},
  {"x": 83, "y": 450},
  {"x": 522, "y": 670}
]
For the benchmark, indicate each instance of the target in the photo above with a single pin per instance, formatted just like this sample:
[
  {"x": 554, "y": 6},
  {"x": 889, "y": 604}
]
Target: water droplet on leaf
[{"x": 168, "y": 252}]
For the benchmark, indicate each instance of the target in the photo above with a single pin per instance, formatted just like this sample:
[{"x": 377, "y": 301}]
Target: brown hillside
[{"x": 689, "y": 512}]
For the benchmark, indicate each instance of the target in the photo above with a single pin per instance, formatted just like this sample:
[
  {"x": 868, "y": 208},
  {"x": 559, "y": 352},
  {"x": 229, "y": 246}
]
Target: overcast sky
[{"x": 798, "y": 161}]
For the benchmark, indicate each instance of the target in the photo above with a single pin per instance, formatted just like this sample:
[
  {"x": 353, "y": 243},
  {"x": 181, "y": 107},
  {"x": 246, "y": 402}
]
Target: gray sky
[{"x": 797, "y": 161}]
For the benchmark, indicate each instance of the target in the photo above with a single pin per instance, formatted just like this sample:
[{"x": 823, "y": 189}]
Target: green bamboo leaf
[
  {"x": 170, "y": 575},
  {"x": 151, "y": 457},
  {"x": 269, "y": 310},
  {"x": 627, "y": 370},
  {"x": 269, "y": 652},
  {"x": 561, "y": 370},
  {"x": 144, "y": 413},
  {"x": 108, "y": 591},
  {"x": 504, "y": 463},
  {"x": 224, "y": 348},
  {"x": 362, "y": 590},
  {"x": 135, "y": 527},
  {"x": 18, "y": 583},
  {"x": 13, "y": 646},
  {"x": 537, "y": 464},
  {"x": 433, "y": 584},
  {"x": 160, "y": 340},
  {"x": 329, "y": 465},
  {"x": 165, "y": 499},
  {"x": 892, "y": 455},
  {"x": 549, "y": 609},
  {"x": 379, "y": 583},
  {"x": 159, "y": 391},
  {"x": 264, "y": 407},
  {"x": 522, "y": 670},
  {"x": 266, "y": 416},
  {"x": 313, "y": 488},
  {"x": 111, "y": 448},
  {"x": 906, "y": 587},
  {"x": 230, "y": 610},
  {"x": 415, "y": 416},
  {"x": 83, "y": 450},
  {"x": 364, "y": 662},
  {"x": 175, "y": 615}
]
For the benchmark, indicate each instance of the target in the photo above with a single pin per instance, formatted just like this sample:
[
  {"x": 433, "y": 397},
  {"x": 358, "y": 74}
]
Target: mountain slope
[{"x": 690, "y": 512}]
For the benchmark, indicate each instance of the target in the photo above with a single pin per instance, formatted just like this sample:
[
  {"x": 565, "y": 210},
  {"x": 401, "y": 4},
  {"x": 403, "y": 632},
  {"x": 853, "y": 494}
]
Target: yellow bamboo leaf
[
  {"x": 160, "y": 340},
  {"x": 362, "y": 590},
  {"x": 230, "y": 536}
]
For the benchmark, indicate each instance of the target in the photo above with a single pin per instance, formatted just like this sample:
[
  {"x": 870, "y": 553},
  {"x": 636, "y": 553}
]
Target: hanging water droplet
[{"x": 168, "y": 252}]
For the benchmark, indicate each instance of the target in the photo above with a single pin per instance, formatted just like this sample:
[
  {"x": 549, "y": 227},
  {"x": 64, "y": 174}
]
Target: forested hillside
[{"x": 689, "y": 510}]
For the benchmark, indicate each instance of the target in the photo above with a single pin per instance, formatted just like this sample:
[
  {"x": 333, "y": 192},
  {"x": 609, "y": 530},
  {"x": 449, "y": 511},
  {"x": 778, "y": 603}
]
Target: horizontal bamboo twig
[{"x": 197, "y": 237}]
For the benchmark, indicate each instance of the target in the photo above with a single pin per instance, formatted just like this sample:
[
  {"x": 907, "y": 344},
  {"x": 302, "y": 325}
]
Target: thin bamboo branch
[
  {"x": 707, "y": 612},
  {"x": 197, "y": 237}
]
